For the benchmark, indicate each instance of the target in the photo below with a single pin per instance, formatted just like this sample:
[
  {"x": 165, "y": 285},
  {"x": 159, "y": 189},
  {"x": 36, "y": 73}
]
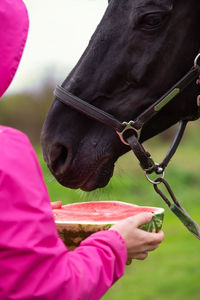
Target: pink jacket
[
  {"x": 13, "y": 33},
  {"x": 34, "y": 262}
]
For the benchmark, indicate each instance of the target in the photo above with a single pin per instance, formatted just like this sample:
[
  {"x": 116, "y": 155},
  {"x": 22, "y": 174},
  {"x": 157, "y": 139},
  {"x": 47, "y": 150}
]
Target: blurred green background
[{"x": 173, "y": 270}]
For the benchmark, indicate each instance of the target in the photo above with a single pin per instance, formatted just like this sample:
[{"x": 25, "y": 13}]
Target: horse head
[{"x": 138, "y": 51}]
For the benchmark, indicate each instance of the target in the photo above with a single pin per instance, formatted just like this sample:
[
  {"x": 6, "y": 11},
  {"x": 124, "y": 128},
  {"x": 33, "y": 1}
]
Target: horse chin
[{"x": 97, "y": 177}]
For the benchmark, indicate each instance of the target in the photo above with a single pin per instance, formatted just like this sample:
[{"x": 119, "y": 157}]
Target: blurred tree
[{"x": 26, "y": 111}]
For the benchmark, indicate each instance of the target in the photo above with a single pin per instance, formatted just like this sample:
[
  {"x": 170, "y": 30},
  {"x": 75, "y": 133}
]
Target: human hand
[
  {"x": 56, "y": 204},
  {"x": 138, "y": 241}
]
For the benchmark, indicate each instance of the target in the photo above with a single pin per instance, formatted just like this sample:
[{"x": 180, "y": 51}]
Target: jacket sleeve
[{"x": 34, "y": 262}]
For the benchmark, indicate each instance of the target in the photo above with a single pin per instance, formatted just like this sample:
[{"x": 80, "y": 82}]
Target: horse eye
[{"x": 152, "y": 21}]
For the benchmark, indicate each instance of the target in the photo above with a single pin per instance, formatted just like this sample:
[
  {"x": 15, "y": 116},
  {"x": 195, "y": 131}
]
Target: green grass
[{"x": 173, "y": 270}]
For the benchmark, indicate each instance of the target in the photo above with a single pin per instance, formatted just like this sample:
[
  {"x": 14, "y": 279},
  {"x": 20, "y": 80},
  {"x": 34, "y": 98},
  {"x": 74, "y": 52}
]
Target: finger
[
  {"x": 56, "y": 204},
  {"x": 142, "y": 219},
  {"x": 140, "y": 256},
  {"x": 129, "y": 261},
  {"x": 152, "y": 238},
  {"x": 156, "y": 238},
  {"x": 151, "y": 247},
  {"x": 143, "y": 249}
]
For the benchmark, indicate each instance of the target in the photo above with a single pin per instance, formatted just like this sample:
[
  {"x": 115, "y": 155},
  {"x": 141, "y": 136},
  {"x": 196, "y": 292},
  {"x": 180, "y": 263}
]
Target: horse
[{"x": 139, "y": 50}]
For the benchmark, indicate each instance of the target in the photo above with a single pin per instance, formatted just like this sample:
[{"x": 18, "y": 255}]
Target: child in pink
[{"x": 34, "y": 262}]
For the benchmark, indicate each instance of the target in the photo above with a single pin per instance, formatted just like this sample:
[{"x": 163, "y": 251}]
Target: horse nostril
[{"x": 60, "y": 160}]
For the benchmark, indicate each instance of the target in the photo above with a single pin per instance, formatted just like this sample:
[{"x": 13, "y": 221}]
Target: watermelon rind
[
  {"x": 73, "y": 232},
  {"x": 155, "y": 224}
]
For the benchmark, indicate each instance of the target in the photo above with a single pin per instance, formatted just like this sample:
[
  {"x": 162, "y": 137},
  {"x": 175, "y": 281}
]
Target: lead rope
[
  {"x": 150, "y": 166},
  {"x": 176, "y": 208}
]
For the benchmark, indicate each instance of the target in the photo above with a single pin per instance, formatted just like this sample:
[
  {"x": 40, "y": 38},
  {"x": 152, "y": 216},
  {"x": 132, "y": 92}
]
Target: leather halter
[{"x": 129, "y": 133}]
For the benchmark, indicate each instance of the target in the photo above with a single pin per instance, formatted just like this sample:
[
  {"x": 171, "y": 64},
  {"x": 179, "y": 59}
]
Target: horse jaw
[{"x": 80, "y": 152}]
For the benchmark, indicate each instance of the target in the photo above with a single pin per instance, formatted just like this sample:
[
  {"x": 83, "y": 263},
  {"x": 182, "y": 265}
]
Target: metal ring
[
  {"x": 196, "y": 60},
  {"x": 152, "y": 181},
  {"x": 128, "y": 126},
  {"x": 198, "y": 100}
]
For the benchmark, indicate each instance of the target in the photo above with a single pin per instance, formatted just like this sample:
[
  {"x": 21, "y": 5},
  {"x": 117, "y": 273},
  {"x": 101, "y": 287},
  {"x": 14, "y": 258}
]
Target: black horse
[{"x": 138, "y": 51}]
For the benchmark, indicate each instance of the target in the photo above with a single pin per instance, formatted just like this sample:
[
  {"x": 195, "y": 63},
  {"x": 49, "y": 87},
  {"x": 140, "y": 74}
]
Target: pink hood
[{"x": 14, "y": 25}]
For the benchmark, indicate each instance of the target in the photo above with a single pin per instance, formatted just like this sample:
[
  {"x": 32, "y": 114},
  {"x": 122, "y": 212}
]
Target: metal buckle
[
  {"x": 196, "y": 61},
  {"x": 128, "y": 126}
]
